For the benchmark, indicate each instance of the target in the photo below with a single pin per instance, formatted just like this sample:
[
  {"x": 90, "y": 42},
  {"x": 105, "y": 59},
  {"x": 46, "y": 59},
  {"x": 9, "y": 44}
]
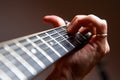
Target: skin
[{"x": 77, "y": 64}]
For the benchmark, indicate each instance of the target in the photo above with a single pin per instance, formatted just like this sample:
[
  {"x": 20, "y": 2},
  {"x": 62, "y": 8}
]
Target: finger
[
  {"x": 55, "y": 20},
  {"x": 86, "y": 29},
  {"x": 73, "y": 27},
  {"x": 99, "y": 24},
  {"x": 91, "y": 21},
  {"x": 83, "y": 30}
]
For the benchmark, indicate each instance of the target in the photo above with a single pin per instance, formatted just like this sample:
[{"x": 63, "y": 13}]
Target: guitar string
[
  {"x": 55, "y": 38},
  {"x": 51, "y": 40}
]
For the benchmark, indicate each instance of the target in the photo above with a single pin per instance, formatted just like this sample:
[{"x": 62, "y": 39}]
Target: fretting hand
[{"x": 76, "y": 65}]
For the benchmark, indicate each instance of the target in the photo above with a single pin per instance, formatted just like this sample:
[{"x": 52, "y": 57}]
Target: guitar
[{"x": 24, "y": 58}]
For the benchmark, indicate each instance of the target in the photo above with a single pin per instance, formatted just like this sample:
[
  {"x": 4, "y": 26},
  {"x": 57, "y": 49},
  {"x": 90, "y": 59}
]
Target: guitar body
[{"x": 26, "y": 57}]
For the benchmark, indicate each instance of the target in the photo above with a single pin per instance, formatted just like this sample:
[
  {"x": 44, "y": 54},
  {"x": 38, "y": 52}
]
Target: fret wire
[
  {"x": 50, "y": 46},
  {"x": 13, "y": 68},
  {"x": 46, "y": 41},
  {"x": 59, "y": 44},
  {"x": 46, "y": 35},
  {"x": 59, "y": 29},
  {"x": 31, "y": 55},
  {"x": 34, "y": 49},
  {"x": 46, "y": 38},
  {"x": 47, "y": 56},
  {"x": 4, "y": 76},
  {"x": 32, "y": 37},
  {"x": 21, "y": 60},
  {"x": 53, "y": 39},
  {"x": 28, "y": 52},
  {"x": 15, "y": 62},
  {"x": 51, "y": 33},
  {"x": 53, "y": 44},
  {"x": 56, "y": 43},
  {"x": 8, "y": 71},
  {"x": 66, "y": 39},
  {"x": 38, "y": 41},
  {"x": 2, "y": 51},
  {"x": 23, "y": 40}
]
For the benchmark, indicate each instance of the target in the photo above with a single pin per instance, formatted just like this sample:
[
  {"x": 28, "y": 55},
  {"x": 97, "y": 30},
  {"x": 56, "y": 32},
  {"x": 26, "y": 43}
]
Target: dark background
[{"x": 22, "y": 17}]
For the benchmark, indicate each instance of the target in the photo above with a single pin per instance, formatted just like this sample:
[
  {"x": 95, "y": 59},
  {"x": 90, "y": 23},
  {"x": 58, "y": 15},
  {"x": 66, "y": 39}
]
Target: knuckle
[
  {"x": 77, "y": 16},
  {"x": 103, "y": 24},
  {"x": 91, "y": 15}
]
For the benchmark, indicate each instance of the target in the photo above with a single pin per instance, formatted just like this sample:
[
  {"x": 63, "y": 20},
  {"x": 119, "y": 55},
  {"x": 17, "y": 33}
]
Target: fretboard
[{"x": 23, "y": 58}]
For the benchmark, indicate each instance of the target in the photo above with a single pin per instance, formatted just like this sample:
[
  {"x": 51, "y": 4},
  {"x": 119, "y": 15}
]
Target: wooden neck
[{"x": 25, "y": 57}]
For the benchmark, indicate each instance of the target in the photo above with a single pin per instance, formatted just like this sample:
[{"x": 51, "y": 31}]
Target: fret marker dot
[
  {"x": 33, "y": 51},
  {"x": 51, "y": 43}
]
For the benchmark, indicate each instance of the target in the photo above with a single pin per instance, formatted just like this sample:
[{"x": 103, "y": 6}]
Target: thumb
[{"x": 55, "y": 20}]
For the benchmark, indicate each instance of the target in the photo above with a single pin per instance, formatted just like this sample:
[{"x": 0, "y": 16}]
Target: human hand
[{"x": 76, "y": 65}]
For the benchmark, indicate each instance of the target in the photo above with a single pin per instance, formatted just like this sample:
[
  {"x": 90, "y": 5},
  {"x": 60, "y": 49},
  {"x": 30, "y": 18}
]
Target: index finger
[{"x": 91, "y": 21}]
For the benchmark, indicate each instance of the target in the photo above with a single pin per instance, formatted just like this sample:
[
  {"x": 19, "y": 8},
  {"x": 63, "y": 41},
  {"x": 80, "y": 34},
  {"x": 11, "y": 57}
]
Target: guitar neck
[{"x": 25, "y": 57}]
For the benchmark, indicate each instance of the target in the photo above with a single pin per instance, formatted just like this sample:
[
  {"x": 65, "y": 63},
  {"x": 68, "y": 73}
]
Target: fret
[
  {"x": 42, "y": 35},
  {"x": 60, "y": 38},
  {"x": 59, "y": 29},
  {"x": 4, "y": 76},
  {"x": 50, "y": 46},
  {"x": 63, "y": 32},
  {"x": 65, "y": 38},
  {"x": 12, "y": 45},
  {"x": 32, "y": 37},
  {"x": 58, "y": 43},
  {"x": 7, "y": 71},
  {"x": 13, "y": 52},
  {"x": 55, "y": 35},
  {"x": 46, "y": 38},
  {"x": 43, "y": 46},
  {"x": 50, "y": 32},
  {"x": 38, "y": 54},
  {"x": 38, "y": 42},
  {"x": 29, "y": 60},
  {"x": 1, "y": 48},
  {"x": 67, "y": 45},
  {"x": 19, "y": 65},
  {"x": 52, "y": 54},
  {"x": 43, "y": 59},
  {"x": 46, "y": 55},
  {"x": 13, "y": 68},
  {"x": 60, "y": 49},
  {"x": 31, "y": 55},
  {"x": 22, "y": 41}
]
